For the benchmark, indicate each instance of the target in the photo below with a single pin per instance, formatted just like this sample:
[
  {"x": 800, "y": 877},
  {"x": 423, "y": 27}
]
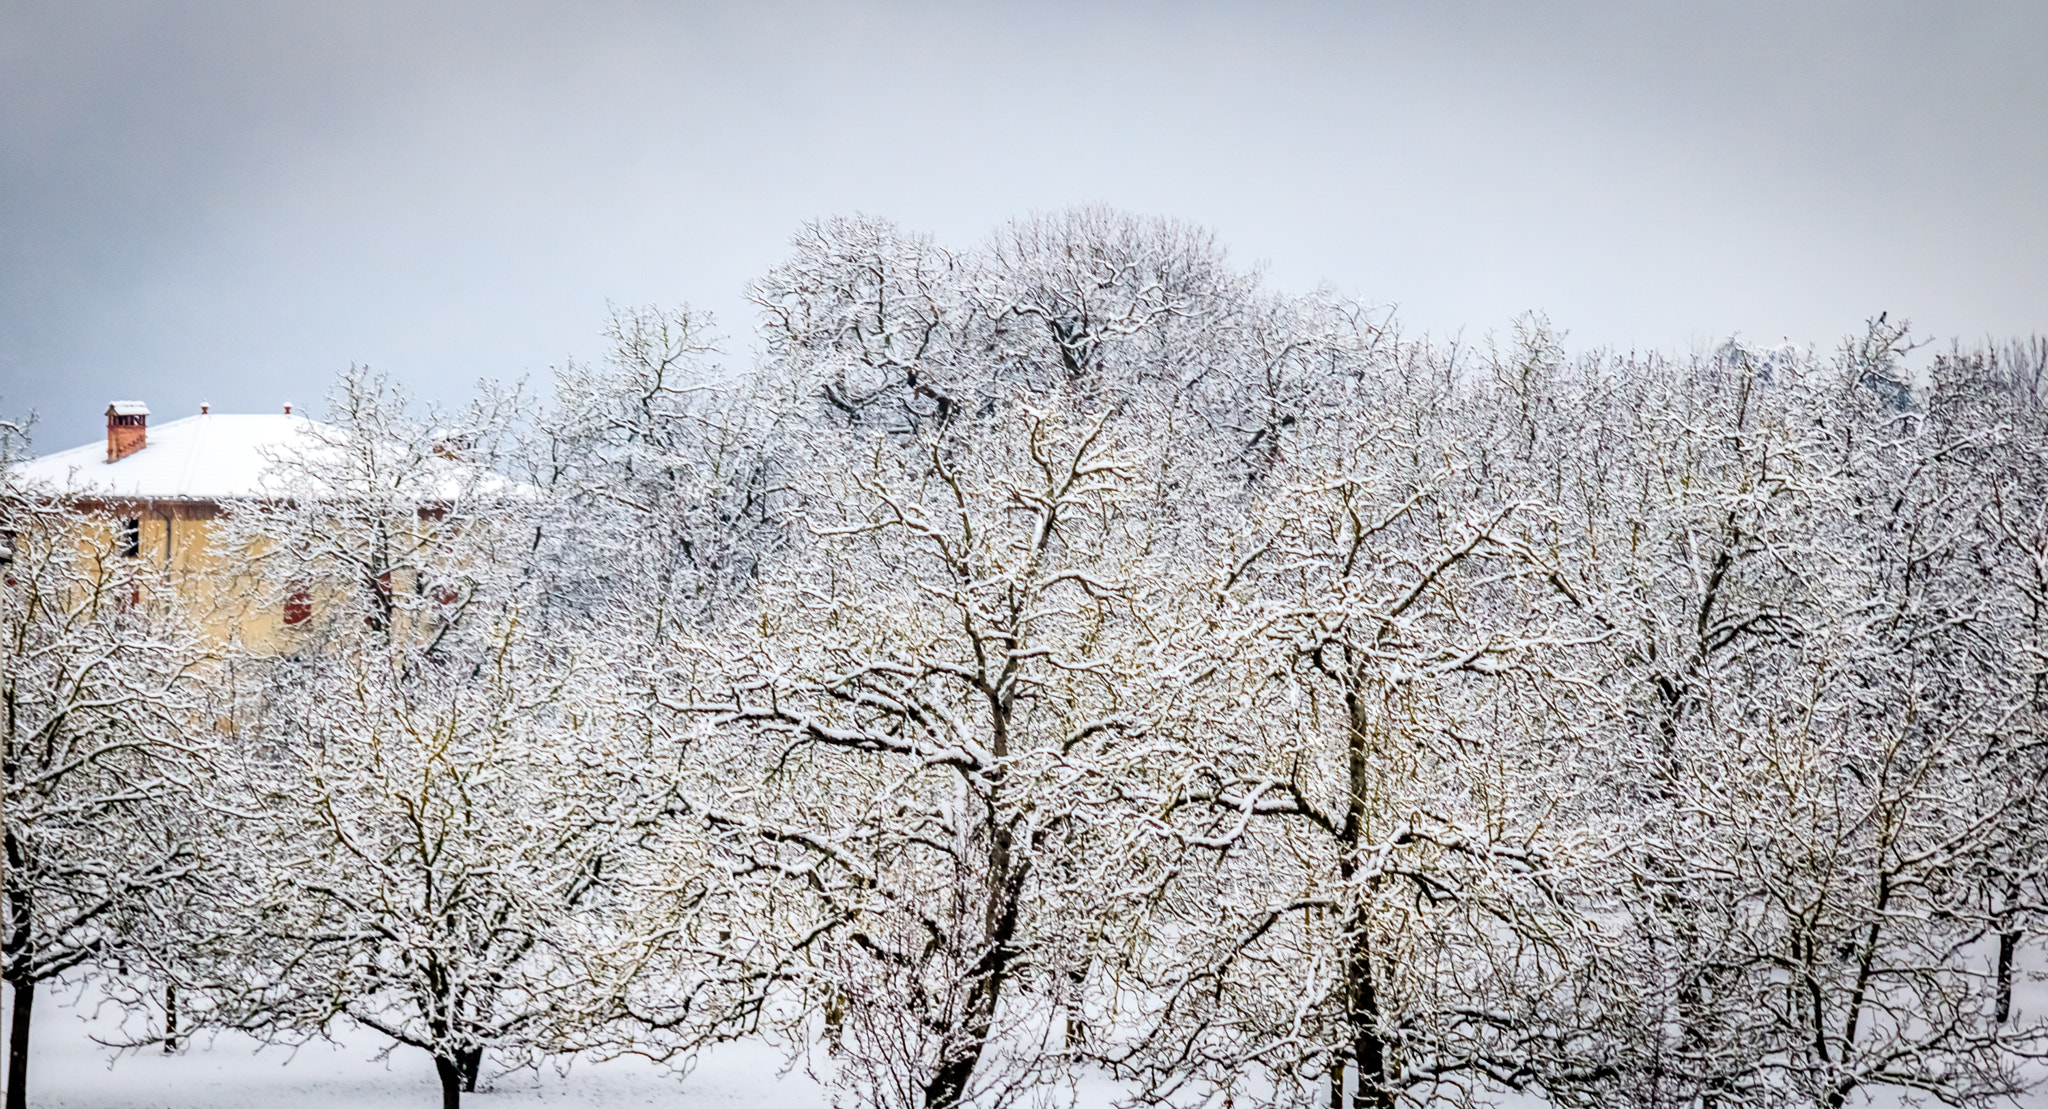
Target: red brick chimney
[{"x": 127, "y": 428}]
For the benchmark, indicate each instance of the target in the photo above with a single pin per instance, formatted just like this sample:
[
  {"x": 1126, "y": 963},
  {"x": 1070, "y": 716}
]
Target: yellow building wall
[
  {"x": 185, "y": 566},
  {"x": 186, "y": 569}
]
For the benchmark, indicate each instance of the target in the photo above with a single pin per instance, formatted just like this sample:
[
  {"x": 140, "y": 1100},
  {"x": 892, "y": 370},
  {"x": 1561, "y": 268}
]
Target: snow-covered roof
[
  {"x": 128, "y": 408},
  {"x": 198, "y": 458}
]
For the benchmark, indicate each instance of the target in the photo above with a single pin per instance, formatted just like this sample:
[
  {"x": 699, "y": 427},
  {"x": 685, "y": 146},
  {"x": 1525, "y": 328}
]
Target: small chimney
[
  {"x": 127, "y": 428},
  {"x": 203, "y": 406},
  {"x": 287, "y": 408}
]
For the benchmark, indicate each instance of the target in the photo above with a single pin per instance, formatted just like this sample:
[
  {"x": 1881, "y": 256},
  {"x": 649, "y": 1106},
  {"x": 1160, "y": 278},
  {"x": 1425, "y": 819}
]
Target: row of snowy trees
[{"x": 1066, "y": 656}]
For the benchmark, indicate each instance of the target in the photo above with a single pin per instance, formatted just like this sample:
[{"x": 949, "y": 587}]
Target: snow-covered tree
[
  {"x": 381, "y": 516},
  {"x": 437, "y": 850},
  {"x": 446, "y": 793},
  {"x": 1806, "y": 780},
  {"x": 1022, "y": 459},
  {"x": 105, "y": 754},
  {"x": 1380, "y": 795},
  {"x": 662, "y": 478},
  {"x": 934, "y": 704}
]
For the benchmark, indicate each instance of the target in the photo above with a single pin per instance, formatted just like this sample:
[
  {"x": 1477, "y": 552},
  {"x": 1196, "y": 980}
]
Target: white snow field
[{"x": 69, "y": 1070}]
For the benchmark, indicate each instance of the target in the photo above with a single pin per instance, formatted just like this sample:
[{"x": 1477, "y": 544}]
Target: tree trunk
[
  {"x": 1361, "y": 994},
  {"x": 170, "y": 1017},
  {"x": 949, "y": 1083},
  {"x": 835, "y": 1019},
  {"x": 471, "y": 1060},
  {"x": 1368, "y": 1054},
  {"x": 1337, "y": 1083},
  {"x": 999, "y": 930},
  {"x": 1077, "y": 1027},
  {"x": 17, "y": 1045},
  {"x": 450, "y": 1072},
  {"x": 2008, "y": 943}
]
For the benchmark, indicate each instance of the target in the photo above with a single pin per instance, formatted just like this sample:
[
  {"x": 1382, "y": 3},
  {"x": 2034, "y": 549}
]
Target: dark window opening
[{"x": 131, "y": 538}]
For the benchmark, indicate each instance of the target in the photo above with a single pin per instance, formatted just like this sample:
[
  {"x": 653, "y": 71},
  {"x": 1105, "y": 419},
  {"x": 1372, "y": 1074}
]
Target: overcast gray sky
[{"x": 232, "y": 202}]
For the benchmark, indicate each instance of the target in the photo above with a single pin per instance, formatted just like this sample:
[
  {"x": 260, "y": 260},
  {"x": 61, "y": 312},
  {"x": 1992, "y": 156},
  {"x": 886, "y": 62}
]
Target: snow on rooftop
[
  {"x": 128, "y": 408},
  {"x": 205, "y": 457}
]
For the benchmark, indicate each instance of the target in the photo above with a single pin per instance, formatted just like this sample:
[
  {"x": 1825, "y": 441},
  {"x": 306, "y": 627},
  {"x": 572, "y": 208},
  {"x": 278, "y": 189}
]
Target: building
[{"x": 161, "y": 490}]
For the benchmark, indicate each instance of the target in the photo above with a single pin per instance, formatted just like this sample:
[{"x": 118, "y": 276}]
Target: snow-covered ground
[{"x": 68, "y": 1070}]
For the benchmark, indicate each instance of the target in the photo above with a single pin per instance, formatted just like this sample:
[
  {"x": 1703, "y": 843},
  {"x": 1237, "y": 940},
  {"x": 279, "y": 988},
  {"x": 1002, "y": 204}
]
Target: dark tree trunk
[
  {"x": 17, "y": 1045},
  {"x": 450, "y": 1072},
  {"x": 1077, "y": 1028},
  {"x": 949, "y": 1084},
  {"x": 170, "y": 1017},
  {"x": 1337, "y": 1083},
  {"x": 1368, "y": 1054},
  {"x": 2008, "y": 943},
  {"x": 991, "y": 973},
  {"x": 835, "y": 1019},
  {"x": 471, "y": 1061},
  {"x": 1361, "y": 994}
]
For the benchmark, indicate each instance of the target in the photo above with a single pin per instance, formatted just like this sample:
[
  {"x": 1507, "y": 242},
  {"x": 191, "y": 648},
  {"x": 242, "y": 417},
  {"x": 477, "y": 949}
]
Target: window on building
[
  {"x": 6, "y": 545},
  {"x": 130, "y": 539},
  {"x": 298, "y": 605}
]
